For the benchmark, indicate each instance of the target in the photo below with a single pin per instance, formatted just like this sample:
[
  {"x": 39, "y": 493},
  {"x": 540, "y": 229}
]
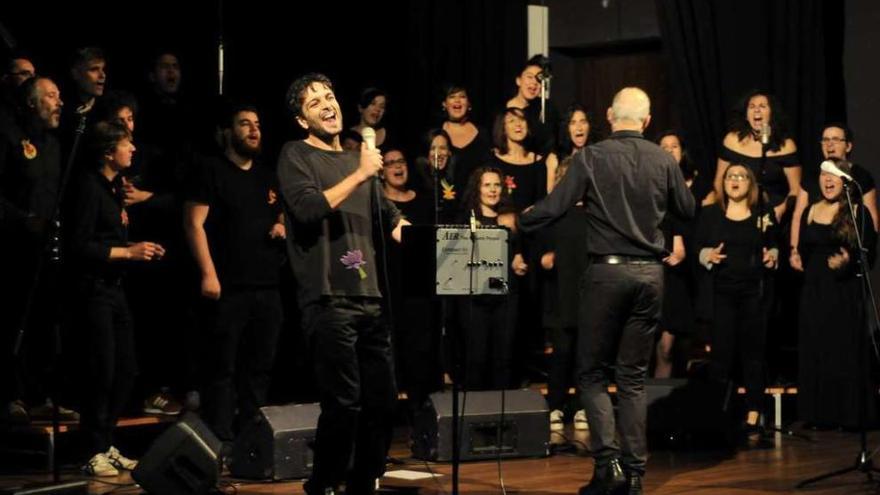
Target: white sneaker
[
  {"x": 556, "y": 420},
  {"x": 119, "y": 461},
  {"x": 580, "y": 421},
  {"x": 99, "y": 465}
]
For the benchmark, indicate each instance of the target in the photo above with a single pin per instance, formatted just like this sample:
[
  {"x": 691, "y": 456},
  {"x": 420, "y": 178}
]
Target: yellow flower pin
[
  {"x": 448, "y": 190},
  {"x": 30, "y": 151}
]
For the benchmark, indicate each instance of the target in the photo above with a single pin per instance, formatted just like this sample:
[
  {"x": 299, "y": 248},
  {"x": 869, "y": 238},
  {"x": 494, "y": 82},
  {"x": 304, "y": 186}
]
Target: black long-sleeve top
[
  {"x": 96, "y": 222},
  {"x": 744, "y": 243},
  {"x": 331, "y": 250},
  {"x": 30, "y": 174},
  {"x": 628, "y": 184}
]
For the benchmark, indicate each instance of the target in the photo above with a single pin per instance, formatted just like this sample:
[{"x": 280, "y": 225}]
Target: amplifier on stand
[{"x": 450, "y": 260}]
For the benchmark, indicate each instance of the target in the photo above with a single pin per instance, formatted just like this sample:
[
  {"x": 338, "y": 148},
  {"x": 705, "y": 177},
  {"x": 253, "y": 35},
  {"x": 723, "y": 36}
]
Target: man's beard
[
  {"x": 241, "y": 147},
  {"x": 324, "y": 136}
]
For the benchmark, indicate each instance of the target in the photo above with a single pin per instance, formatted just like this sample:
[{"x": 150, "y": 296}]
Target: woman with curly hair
[
  {"x": 758, "y": 117},
  {"x": 488, "y": 323}
]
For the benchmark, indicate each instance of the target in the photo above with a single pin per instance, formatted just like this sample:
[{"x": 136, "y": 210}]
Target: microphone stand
[{"x": 863, "y": 461}]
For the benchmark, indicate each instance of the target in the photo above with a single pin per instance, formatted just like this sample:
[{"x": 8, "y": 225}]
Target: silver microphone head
[
  {"x": 830, "y": 167},
  {"x": 765, "y": 134},
  {"x": 369, "y": 136}
]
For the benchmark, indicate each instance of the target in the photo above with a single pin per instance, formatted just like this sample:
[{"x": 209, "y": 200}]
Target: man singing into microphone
[{"x": 330, "y": 201}]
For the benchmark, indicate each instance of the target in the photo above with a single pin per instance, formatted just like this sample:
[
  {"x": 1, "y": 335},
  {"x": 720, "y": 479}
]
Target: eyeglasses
[
  {"x": 398, "y": 161},
  {"x": 737, "y": 177},
  {"x": 20, "y": 73},
  {"x": 835, "y": 140}
]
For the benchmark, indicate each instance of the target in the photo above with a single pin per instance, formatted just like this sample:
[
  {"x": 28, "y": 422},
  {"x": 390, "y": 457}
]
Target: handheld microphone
[
  {"x": 369, "y": 136},
  {"x": 765, "y": 134},
  {"x": 831, "y": 168}
]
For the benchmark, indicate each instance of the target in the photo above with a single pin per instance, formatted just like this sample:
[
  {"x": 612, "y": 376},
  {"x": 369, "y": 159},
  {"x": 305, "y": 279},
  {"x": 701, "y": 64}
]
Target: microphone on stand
[
  {"x": 436, "y": 160},
  {"x": 473, "y": 225},
  {"x": 765, "y": 134},
  {"x": 830, "y": 167}
]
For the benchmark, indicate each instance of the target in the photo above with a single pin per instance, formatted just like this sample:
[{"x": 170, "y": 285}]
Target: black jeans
[
  {"x": 242, "y": 342},
  {"x": 106, "y": 325},
  {"x": 619, "y": 313},
  {"x": 739, "y": 331},
  {"x": 351, "y": 348}
]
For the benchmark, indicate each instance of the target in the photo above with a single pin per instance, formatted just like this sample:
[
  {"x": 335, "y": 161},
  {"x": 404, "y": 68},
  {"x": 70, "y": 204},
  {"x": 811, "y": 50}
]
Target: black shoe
[
  {"x": 607, "y": 480},
  {"x": 633, "y": 484},
  {"x": 311, "y": 488},
  {"x": 361, "y": 487}
]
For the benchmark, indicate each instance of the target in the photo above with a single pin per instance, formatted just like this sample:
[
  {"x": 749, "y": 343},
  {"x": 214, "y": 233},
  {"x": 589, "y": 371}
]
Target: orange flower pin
[
  {"x": 448, "y": 190},
  {"x": 30, "y": 151}
]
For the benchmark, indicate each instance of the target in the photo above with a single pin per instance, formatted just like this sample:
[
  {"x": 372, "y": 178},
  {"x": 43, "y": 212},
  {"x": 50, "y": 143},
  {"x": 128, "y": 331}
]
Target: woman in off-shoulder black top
[{"x": 758, "y": 118}]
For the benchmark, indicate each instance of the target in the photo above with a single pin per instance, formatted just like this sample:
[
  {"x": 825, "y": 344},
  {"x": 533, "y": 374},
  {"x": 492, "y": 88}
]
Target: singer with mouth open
[
  {"x": 330, "y": 199},
  {"x": 759, "y": 123}
]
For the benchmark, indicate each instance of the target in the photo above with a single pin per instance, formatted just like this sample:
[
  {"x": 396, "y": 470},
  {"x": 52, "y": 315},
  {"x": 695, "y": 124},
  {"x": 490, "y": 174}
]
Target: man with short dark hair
[
  {"x": 235, "y": 228},
  {"x": 331, "y": 200},
  {"x": 18, "y": 70},
  {"x": 622, "y": 285},
  {"x": 88, "y": 71}
]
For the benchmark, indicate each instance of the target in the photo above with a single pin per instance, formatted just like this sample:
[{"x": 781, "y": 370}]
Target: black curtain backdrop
[
  {"x": 478, "y": 43},
  {"x": 405, "y": 47},
  {"x": 718, "y": 50}
]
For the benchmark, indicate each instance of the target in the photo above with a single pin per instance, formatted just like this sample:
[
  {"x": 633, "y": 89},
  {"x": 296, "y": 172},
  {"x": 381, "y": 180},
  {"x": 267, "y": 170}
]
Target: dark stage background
[{"x": 408, "y": 48}]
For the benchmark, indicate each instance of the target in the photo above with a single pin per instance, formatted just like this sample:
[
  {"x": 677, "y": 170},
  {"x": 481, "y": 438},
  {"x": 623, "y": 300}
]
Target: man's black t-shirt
[
  {"x": 243, "y": 207},
  {"x": 331, "y": 250}
]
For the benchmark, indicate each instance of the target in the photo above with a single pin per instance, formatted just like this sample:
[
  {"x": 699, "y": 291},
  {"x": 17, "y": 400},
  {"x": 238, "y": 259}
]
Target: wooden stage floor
[{"x": 774, "y": 468}]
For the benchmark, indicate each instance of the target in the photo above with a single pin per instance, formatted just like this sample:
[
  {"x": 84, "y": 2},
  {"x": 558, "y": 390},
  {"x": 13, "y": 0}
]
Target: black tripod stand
[{"x": 863, "y": 463}]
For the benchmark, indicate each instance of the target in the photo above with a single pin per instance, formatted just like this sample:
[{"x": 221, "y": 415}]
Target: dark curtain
[
  {"x": 718, "y": 50},
  {"x": 478, "y": 43}
]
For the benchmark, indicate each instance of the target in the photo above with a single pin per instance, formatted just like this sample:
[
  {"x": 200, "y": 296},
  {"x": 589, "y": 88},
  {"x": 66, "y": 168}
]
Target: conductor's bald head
[{"x": 630, "y": 111}]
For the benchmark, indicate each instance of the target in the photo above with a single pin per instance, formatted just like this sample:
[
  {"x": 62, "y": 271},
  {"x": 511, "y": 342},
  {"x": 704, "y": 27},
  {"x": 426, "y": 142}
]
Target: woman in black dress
[
  {"x": 562, "y": 259},
  {"x": 471, "y": 144},
  {"x": 831, "y": 382},
  {"x": 737, "y": 245},
  {"x": 524, "y": 177},
  {"x": 415, "y": 318},
  {"x": 488, "y": 322},
  {"x": 438, "y": 175},
  {"x": 524, "y": 172},
  {"x": 371, "y": 107},
  {"x": 678, "y": 312}
]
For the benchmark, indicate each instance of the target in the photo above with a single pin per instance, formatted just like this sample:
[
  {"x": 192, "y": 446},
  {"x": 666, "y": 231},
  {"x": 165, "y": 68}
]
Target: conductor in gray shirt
[{"x": 628, "y": 184}]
